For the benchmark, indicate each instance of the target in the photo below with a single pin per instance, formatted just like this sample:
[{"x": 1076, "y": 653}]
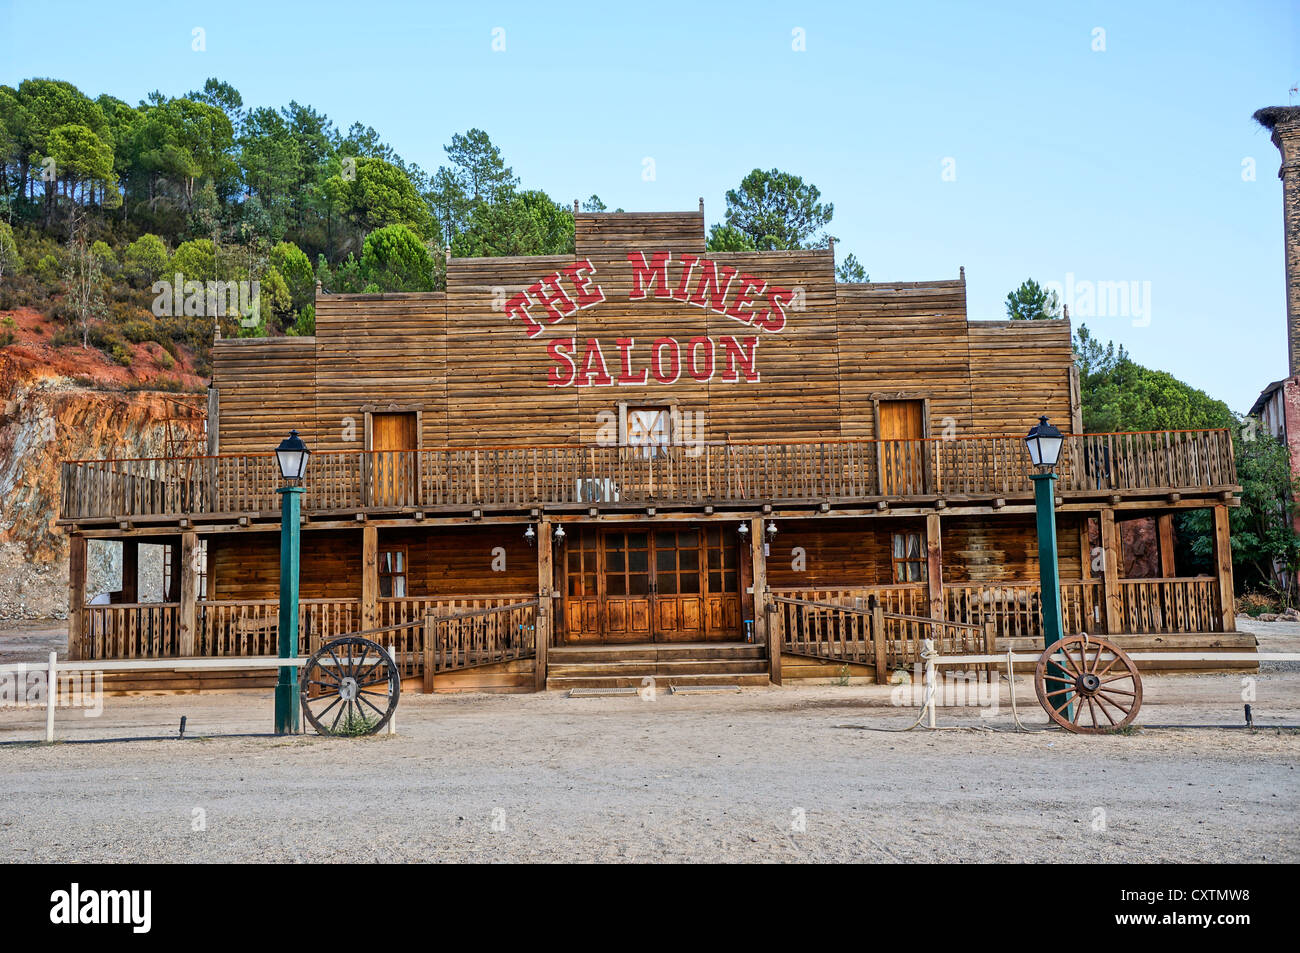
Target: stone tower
[{"x": 1284, "y": 123}]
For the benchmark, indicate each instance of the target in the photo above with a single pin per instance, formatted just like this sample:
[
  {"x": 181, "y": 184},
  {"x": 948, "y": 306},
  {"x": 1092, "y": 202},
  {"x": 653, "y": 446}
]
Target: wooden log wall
[
  {"x": 379, "y": 350},
  {"x": 476, "y": 378},
  {"x": 246, "y": 566},
  {"x": 265, "y": 387}
]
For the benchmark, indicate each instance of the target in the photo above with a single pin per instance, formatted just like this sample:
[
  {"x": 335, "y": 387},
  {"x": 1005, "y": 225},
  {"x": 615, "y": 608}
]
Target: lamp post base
[{"x": 287, "y": 708}]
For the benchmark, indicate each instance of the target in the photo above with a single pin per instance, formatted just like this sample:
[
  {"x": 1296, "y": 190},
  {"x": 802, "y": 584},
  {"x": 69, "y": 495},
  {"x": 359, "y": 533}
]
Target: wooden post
[
  {"x": 1085, "y": 573},
  {"x": 1165, "y": 524},
  {"x": 130, "y": 571},
  {"x": 369, "y": 577},
  {"x": 934, "y": 566},
  {"x": 990, "y": 644},
  {"x": 428, "y": 655},
  {"x": 174, "y": 574},
  {"x": 545, "y": 586},
  {"x": 1110, "y": 573},
  {"x": 187, "y": 614},
  {"x": 763, "y": 633},
  {"x": 1223, "y": 569},
  {"x": 878, "y": 640},
  {"x": 76, "y": 595}
]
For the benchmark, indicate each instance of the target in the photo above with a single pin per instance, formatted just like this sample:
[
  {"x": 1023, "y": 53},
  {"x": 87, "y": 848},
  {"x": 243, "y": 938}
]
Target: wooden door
[
  {"x": 678, "y": 586},
  {"x": 902, "y": 447},
  {"x": 723, "y": 585},
  {"x": 392, "y": 466},
  {"x": 626, "y": 586},
  {"x": 669, "y": 585},
  {"x": 582, "y": 587}
]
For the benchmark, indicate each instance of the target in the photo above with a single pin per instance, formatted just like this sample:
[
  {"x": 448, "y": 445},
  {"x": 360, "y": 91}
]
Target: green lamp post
[
  {"x": 1044, "y": 443},
  {"x": 292, "y": 455}
]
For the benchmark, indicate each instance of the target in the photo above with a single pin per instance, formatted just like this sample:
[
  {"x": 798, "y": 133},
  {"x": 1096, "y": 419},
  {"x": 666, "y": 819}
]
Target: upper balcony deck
[{"x": 838, "y": 474}]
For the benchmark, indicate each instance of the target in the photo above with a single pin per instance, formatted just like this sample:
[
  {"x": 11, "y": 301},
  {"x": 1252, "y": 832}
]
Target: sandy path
[{"x": 707, "y": 777}]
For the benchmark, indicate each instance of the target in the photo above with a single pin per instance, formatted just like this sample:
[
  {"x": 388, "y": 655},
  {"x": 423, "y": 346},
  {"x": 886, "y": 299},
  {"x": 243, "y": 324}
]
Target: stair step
[
  {"x": 658, "y": 669},
  {"x": 655, "y": 652},
  {"x": 663, "y": 683}
]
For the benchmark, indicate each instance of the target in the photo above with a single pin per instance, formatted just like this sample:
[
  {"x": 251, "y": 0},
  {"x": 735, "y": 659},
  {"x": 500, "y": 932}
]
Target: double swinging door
[{"x": 662, "y": 585}]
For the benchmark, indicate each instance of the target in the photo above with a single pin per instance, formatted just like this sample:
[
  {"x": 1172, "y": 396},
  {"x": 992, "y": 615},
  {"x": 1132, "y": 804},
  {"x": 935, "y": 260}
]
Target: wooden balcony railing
[{"x": 740, "y": 473}]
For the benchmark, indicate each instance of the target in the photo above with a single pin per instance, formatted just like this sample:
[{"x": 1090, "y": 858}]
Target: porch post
[
  {"x": 1110, "y": 573},
  {"x": 934, "y": 566},
  {"x": 762, "y": 633},
  {"x": 173, "y": 593},
  {"x": 76, "y": 594},
  {"x": 1223, "y": 569},
  {"x": 187, "y": 614},
  {"x": 1085, "y": 574},
  {"x": 545, "y": 586},
  {"x": 369, "y": 577},
  {"x": 1165, "y": 525},
  {"x": 130, "y": 570}
]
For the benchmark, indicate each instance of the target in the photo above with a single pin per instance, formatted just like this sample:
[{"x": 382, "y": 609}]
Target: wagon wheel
[
  {"x": 350, "y": 687},
  {"x": 1107, "y": 693}
]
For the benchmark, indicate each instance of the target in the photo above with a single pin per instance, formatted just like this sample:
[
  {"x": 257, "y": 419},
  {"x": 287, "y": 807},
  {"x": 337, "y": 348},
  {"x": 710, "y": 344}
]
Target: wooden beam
[
  {"x": 545, "y": 586},
  {"x": 76, "y": 595},
  {"x": 934, "y": 565},
  {"x": 763, "y": 633},
  {"x": 174, "y": 575},
  {"x": 1085, "y": 571},
  {"x": 187, "y": 614},
  {"x": 369, "y": 576},
  {"x": 1223, "y": 569},
  {"x": 878, "y": 640},
  {"x": 130, "y": 571},
  {"x": 1110, "y": 573},
  {"x": 1165, "y": 525}
]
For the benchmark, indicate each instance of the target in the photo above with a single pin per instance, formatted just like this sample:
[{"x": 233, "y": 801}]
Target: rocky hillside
[{"x": 58, "y": 404}]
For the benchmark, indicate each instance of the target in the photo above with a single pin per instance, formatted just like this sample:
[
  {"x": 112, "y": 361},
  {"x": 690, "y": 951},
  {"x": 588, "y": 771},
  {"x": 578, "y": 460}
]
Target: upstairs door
[
  {"x": 392, "y": 466},
  {"x": 902, "y": 447}
]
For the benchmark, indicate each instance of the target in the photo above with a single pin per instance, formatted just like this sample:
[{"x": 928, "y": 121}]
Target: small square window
[
  {"x": 392, "y": 573},
  {"x": 908, "y": 558}
]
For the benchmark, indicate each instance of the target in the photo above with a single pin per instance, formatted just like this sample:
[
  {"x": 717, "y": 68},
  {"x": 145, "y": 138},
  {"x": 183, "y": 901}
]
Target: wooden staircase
[{"x": 684, "y": 664}]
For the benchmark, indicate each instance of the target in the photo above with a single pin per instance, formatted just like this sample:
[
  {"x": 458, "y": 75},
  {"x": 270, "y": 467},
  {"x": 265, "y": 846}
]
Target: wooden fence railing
[
  {"x": 1154, "y": 606},
  {"x": 130, "y": 631},
  {"x": 862, "y": 632},
  {"x": 504, "y": 477},
  {"x": 475, "y": 637}
]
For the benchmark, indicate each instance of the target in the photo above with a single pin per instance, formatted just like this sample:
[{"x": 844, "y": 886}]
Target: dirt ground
[{"x": 793, "y": 774}]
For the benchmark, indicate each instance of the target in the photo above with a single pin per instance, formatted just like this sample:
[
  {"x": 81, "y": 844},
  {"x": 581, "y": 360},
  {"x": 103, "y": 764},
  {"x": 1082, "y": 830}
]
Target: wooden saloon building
[{"x": 645, "y": 458}]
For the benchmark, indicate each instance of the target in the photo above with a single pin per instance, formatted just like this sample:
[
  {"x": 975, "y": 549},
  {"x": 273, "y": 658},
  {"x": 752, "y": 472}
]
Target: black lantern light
[
  {"x": 292, "y": 455},
  {"x": 1044, "y": 442}
]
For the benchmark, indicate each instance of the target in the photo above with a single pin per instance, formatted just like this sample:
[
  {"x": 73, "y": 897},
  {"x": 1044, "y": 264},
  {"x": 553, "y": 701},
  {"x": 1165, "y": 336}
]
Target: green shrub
[
  {"x": 49, "y": 270},
  {"x": 145, "y": 259},
  {"x": 137, "y": 331}
]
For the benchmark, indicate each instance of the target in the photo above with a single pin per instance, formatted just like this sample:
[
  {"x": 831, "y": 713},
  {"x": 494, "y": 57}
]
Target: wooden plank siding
[{"x": 476, "y": 378}]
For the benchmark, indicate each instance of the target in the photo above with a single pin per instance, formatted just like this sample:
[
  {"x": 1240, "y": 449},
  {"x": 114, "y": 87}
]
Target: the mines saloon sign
[{"x": 757, "y": 307}]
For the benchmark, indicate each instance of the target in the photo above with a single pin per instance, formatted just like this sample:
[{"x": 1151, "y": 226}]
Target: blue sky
[{"x": 1122, "y": 164}]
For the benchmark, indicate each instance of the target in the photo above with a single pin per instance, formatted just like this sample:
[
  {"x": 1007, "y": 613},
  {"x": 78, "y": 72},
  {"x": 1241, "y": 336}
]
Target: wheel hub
[
  {"x": 1087, "y": 684},
  {"x": 348, "y": 688}
]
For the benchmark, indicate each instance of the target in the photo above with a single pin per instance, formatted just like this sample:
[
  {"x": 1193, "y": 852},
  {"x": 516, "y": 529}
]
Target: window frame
[{"x": 390, "y": 575}]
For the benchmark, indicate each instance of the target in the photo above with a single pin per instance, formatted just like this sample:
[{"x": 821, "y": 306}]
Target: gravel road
[{"x": 794, "y": 774}]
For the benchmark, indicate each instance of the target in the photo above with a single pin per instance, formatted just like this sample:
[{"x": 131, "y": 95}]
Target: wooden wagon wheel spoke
[
  {"x": 1066, "y": 673},
  {"x": 355, "y": 679},
  {"x": 1102, "y": 706}
]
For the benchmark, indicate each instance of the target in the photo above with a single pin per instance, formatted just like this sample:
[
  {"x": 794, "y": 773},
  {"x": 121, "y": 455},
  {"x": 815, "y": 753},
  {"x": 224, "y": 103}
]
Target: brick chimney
[{"x": 1284, "y": 123}]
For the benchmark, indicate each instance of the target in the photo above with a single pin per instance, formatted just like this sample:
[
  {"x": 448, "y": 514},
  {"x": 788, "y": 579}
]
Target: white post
[
  {"x": 928, "y": 652},
  {"x": 392, "y": 655},
  {"x": 51, "y": 696}
]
